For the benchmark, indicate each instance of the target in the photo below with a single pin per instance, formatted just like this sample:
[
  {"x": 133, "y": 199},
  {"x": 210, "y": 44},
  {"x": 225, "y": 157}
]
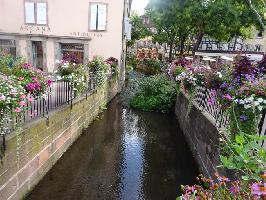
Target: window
[
  {"x": 37, "y": 54},
  {"x": 8, "y": 47},
  {"x": 36, "y": 13},
  {"x": 72, "y": 52},
  {"x": 98, "y": 17}
]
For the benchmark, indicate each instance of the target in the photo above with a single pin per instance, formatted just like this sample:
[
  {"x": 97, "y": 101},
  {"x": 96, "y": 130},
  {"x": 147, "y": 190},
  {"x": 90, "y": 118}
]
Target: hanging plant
[{"x": 99, "y": 69}]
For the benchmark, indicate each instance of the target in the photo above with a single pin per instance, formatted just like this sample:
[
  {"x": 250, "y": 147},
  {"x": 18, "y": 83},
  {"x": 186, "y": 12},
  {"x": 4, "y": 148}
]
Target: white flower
[
  {"x": 260, "y": 100},
  {"x": 219, "y": 74},
  {"x": 256, "y": 103},
  {"x": 260, "y": 108},
  {"x": 241, "y": 102},
  {"x": 247, "y": 106}
]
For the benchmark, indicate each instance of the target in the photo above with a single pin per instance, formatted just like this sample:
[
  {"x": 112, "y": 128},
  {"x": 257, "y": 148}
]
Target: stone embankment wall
[
  {"x": 31, "y": 153},
  {"x": 201, "y": 133}
]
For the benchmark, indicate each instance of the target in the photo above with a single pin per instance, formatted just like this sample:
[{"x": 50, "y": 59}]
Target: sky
[{"x": 139, "y": 5}]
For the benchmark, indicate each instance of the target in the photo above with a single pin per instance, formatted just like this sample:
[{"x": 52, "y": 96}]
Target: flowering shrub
[
  {"x": 74, "y": 73},
  {"x": 12, "y": 95},
  {"x": 99, "y": 70},
  {"x": 113, "y": 62},
  {"x": 221, "y": 188},
  {"x": 241, "y": 91},
  {"x": 32, "y": 79},
  {"x": 71, "y": 58},
  {"x": 241, "y": 88}
]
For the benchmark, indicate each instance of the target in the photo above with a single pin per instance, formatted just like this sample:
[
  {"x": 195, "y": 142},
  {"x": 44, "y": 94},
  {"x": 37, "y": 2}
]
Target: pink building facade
[{"x": 42, "y": 31}]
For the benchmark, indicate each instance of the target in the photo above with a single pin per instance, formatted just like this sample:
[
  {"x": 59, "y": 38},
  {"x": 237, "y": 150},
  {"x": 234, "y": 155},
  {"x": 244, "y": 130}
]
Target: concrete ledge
[{"x": 201, "y": 134}]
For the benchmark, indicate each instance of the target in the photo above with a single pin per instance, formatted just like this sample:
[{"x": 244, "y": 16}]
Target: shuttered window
[
  {"x": 36, "y": 13},
  {"x": 41, "y": 13},
  {"x": 98, "y": 17},
  {"x": 29, "y": 13}
]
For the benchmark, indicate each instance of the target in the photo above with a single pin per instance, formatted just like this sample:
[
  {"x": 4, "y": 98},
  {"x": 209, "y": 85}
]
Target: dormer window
[{"x": 36, "y": 13}]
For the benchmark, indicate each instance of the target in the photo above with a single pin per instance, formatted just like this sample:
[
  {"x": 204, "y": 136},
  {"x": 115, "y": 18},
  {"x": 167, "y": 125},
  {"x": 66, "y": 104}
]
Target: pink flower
[
  {"x": 211, "y": 101},
  {"x": 2, "y": 97},
  {"x": 228, "y": 97},
  {"x": 22, "y": 103},
  {"x": 49, "y": 82},
  {"x": 258, "y": 189},
  {"x": 26, "y": 65},
  {"x": 20, "y": 78},
  {"x": 18, "y": 110},
  {"x": 30, "y": 99},
  {"x": 23, "y": 96}
]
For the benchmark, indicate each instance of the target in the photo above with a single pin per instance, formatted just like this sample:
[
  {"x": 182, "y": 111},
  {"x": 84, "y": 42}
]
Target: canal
[{"x": 125, "y": 154}]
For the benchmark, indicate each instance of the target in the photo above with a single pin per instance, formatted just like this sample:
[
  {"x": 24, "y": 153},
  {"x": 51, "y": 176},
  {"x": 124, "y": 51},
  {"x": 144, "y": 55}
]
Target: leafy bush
[
  {"x": 113, "y": 62},
  {"x": 75, "y": 74},
  {"x": 244, "y": 155},
  {"x": 132, "y": 61},
  {"x": 152, "y": 65},
  {"x": 99, "y": 69},
  {"x": 8, "y": 62},
  {"x": 156, "y": 93}
]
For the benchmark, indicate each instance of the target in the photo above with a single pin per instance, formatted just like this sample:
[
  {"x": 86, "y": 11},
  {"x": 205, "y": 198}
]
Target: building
[
  {"x": 43, "y": 31},
  {"x": 254, "y": 47}
]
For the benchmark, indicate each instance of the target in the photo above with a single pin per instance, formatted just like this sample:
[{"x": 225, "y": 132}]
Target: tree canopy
[{"x": 176, "y": 21}]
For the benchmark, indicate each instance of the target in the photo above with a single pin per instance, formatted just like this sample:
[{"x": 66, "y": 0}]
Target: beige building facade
[{"x": 43, "y": 31}]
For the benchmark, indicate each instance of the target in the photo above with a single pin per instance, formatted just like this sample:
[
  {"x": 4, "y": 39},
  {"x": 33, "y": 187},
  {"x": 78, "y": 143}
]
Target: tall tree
[
  {"x": 139, "y": 30},
  {"x": 172, "y": 22},
  {"x": 223, "y": 20}
]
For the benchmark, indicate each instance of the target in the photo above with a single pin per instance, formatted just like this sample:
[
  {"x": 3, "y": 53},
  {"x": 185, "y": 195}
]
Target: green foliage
[
  {"x": 156, "y": 93},
  {"x": 138, "y": 29},
  {"x": 152, "y": 65},
  {"x": 177, "y": 21},
  {"x": 8, "y": 62},
  {"x": 132, "y": 61},
  {"x": 74, "y": 73},
  {"x": 242, "y": 120},
  {"x": 98, "y": 69},
  {"x": 244, "y": 155}
]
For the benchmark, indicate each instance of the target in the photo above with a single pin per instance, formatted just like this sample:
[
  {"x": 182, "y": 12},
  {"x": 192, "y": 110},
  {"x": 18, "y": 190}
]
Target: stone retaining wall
[
  {"x": 201, "y": 133},
  {"x": 32, "y": 153}
]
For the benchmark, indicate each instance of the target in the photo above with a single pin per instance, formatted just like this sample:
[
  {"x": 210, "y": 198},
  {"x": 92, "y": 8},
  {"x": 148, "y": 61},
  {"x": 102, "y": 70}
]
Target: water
[{"x": 127, "y": 155}]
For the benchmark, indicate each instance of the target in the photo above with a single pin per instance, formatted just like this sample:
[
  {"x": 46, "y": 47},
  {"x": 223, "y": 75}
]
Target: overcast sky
[{"x": 139, "y": 5}]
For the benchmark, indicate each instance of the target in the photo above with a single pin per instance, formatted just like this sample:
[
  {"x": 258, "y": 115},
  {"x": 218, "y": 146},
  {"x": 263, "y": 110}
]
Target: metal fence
[
  {"x": 58, "y": 94},
  {"x": 221, "y": 118}
]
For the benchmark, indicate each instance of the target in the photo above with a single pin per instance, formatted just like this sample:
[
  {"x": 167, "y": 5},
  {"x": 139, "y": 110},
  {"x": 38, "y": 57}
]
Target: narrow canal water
[{"x": 127, "y": 155}]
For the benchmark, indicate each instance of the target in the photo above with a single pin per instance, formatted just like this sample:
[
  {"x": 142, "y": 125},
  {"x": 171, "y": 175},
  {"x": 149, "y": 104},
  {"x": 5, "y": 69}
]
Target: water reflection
[
  {"x": 127, "y": 155},
  {"x": 132, "y": 154}
]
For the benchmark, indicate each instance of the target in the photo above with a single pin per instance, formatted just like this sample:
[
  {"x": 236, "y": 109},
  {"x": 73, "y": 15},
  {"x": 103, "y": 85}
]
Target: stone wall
[
  {"x": 31, "y": 153},
  {"x": 201, "y": 133}
]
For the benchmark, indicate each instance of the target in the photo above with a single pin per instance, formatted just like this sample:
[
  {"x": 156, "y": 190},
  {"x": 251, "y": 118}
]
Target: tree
[
  {"x": 172, "y": 22},
  {"x": 139, "y": 30},
  {"x": 222, "y": 20},
  {"x": 178, "y": 20}
]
